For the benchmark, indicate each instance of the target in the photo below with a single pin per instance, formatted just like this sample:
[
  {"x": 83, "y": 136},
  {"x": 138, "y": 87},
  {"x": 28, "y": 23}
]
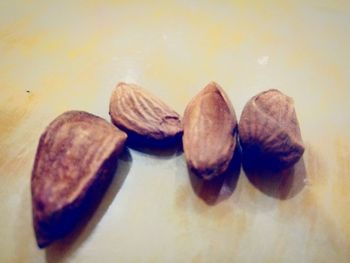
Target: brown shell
[
  {"x": 143, "y": 115},
  {"x": 73, "y": 163},
  {"x": 210, "y": 126},
  {"x": 269, "y": 129}
]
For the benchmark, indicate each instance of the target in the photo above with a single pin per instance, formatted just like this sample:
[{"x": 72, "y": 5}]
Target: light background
[{"x": 70, "y": 56}]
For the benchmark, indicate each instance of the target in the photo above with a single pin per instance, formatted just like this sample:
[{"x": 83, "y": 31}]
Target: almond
[
  {"x": 74, "y": 163},
  {"x": 142, "y": 115},
  {"x": 269, "y": 131},
  {"x": 210, "y": 127}
]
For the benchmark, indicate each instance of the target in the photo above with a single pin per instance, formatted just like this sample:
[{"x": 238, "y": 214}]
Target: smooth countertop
[{"x": 61, "y": 56}]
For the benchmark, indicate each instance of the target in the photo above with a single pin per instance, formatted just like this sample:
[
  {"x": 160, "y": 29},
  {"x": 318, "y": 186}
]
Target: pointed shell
[
  {"x": 74, "y": 160},
  {"x": 143, "y": 115},
  {"x": 269, "y": 129},
  {"x": 209, "y": 136}
]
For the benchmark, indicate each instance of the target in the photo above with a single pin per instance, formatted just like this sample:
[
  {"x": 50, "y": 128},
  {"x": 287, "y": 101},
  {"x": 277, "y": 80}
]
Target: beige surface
[{"x": 70, "y": 56}]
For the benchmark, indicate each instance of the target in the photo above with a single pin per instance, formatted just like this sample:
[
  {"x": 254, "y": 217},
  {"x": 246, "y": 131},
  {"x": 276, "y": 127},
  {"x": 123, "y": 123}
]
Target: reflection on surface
[
  {"x": 162, "y": 150},
  {"x": 64, "y": 248},
  {"x": 221, "y": 187},
  {"x": 281, "y": 184}
]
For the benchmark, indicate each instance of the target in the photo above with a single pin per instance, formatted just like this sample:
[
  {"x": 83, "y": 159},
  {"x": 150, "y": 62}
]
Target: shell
[
  {"x": 269, "y": 130},
  {"x": 74, "y": 162},
  {"x": 209, "y": 138},
  {"x": 142, "y": 115}
]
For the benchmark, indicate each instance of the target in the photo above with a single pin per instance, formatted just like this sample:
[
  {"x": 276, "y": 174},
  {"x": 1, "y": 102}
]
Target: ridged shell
[
  {"x": 140, "y": 113},
  {"x": 73, "y": 163},
  {"x": 210, "y": 126},
  {"x": 269, "y": 127}
]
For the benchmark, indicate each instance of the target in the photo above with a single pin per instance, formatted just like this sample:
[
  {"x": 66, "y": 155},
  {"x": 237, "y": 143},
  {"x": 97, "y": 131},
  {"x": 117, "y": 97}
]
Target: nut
[
  {"x": 142, "y": 115},
  {"x": 210, "y": 127},
  {"x": 74, "y": 163},
  {"x": 269, "y": 131}
]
